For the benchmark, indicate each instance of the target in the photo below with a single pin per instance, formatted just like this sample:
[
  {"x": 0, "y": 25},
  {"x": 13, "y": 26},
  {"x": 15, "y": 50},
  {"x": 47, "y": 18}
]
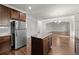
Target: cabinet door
[
  {"x": 0, "y": 15},
  {"x": 36, "y": 46},
  {"x": 5, "y": 44},
  {"x": 22, "y": 16},
  {"x": 4, "y": 15},
  {"x": 15, "y": 14},
  {"x": 49, "y": 41},
  {"x": 45, "y": 45}
]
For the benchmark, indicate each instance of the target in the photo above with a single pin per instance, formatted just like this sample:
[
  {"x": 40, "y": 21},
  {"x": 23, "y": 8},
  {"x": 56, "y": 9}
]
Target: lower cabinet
[
  {"x": 5, "y": 44},
  {"x": 36, "y": 46},
  {"x": 45, "y": 46},
  {"x": 41, "y": 46},
  {"x": 50, "y": 41},
  {"x": 77, "y": 46}
]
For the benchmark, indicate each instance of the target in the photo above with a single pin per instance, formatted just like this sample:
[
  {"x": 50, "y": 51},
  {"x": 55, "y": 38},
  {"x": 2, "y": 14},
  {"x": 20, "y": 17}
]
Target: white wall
[
  {"x": 31, "y": 26},
  {"x": 77, "y": 25},
  {"x": 31, "y": 30},
  {"x": 69, "y": 19},
  {"x": 54, "y": 27}
]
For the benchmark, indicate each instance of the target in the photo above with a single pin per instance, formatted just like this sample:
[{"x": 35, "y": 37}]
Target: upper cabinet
[
  {"x": 22, "y": 16},
  {"x": 7, "y": 14},
  {"x": 4, "y": 15},
  {"x": 14, "y": 14}
]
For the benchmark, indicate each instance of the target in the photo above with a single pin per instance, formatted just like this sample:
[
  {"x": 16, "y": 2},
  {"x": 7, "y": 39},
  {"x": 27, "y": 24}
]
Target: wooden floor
[
  {"x": 61, "y": 45},
  {"x": 20, "y": 51}
]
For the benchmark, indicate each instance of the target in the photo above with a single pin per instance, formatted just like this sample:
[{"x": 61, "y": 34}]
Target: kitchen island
[
  {"x": 41, "y": 44},
  {"x": 77, "y": 45}
]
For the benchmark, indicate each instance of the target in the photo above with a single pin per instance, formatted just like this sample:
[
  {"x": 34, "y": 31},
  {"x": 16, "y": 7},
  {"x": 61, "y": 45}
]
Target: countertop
[
  {"x": 41, "y": 35},
  {"x": 4, "y": 34},
  {"x": 4, "y": 31}
]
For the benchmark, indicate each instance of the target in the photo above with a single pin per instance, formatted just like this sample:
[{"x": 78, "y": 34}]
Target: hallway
[{"x": 61, "y": 45}]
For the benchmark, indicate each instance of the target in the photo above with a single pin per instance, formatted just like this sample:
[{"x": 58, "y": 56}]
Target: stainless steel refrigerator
[{"x": 18, "y": 34}]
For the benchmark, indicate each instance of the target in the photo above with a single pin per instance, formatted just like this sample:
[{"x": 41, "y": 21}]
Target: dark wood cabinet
[
  {"x": 7, "y": 14},
  {"x": 22, "y": 16},
  {"x": 4, "y": 15},
  {"x": 45, "y": 46},
  {"x": 41, "y": 46},
  {"x": 5, "y": 44},
  {"x": 36, "y": 46},
  {"x": 15, "y": 14},
  {"x": 49, "y": 41},
  {"x": 77, "y": 46},
  {"x": 0, "y": 15}
]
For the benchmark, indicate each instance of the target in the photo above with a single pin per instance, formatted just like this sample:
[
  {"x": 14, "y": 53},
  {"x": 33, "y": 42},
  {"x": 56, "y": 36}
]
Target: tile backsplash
[{"x": 4, "y": 30}]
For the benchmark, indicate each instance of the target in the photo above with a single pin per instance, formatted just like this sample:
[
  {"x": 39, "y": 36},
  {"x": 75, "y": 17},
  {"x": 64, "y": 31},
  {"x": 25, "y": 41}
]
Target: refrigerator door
[
  {"x": 20, "y": 38},
  {"x": 20, "y": 25},
  {"x": 16, "y": 25}
]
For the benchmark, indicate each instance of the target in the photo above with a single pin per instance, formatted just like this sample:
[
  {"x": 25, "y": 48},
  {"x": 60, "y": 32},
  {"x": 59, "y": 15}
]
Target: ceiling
[{"x": 45, "y": 11}]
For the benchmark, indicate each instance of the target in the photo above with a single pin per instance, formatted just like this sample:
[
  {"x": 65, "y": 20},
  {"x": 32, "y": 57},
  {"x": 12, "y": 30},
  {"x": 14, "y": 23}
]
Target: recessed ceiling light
[
  {"x": 30, "y": 7},
  {"x": 59, "y": 21}
]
